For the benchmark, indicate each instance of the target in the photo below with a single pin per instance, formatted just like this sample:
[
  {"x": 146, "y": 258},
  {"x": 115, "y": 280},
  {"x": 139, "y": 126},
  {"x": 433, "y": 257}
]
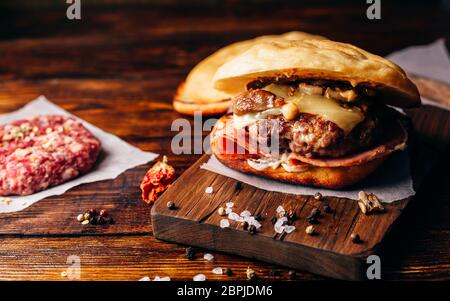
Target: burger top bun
[
  {"x": 318, "y": 59},
  {"x": 197, "y": 93}
]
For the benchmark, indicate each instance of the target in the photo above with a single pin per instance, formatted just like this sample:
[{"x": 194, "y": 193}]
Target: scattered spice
[
  {"x": 273, "y": 220},
  {"x": 258, "y": 217},
  {"x": 157, "y": 180},
  {"x": 217, "y": 271},
  {"x": 228, "y": 272},
  {"x": 199, "y": 277},
  {"x": 251, "y": 274},
  {"x": 63, "y": 274},
  {"x": 94, "y": 217},
  {"x": 190, "y": 253},
  {"x": 313, "y": 216},
  {"x": 369, "y": 202},
  {"x": 292, "y": 215},
  {"x": 87, "y": 215},
  {"x": 171, "y": 205},
  {"x": 244, "y": 225},
  {"x": 6, "y": 200},
  {"x": 208, "y": 257},
  {"x": 318, "y": 196},
  {"x": 238, "y": 185},
  {"x": 327, "y": 209},
  {"x": 292, "y": 274},
  {"x": 252, "y": 229},
  {"x": 310, "y": 230},
  {"x": 221, "y": 211},
  {"x": 224, "y": 223},
  {"x": 355, "y": 238},
  {"x": 209, "y": 190}
]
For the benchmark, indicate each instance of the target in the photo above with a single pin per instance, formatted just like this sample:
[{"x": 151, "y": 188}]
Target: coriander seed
[
  {"x": 310, "y": 230},
  {"x": 318, "y": 196}
]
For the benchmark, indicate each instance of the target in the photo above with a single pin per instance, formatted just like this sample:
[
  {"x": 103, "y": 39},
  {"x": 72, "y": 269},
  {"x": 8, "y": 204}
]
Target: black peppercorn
[
  {"x": 190, "y": 253},
  {"x": 291, "y": 215},
  {"x": 244, "y": 226},
  {"x": 258, "y": 217},
  {"x": 252, "y": 229},
  {"x": 355, "y": 238},
  {"x": 315, "y": 213},
  {"x": 228, "y": 272},
  {"x": 93, "y": 220},
  {"x": 170, "y": 205},
  {"x": 108, "y": 220},
  {"x": 312, "y": 220},
  {"x": 327, "y": 208},
  {"x": 238, "y": 185},
  {"x": 99, "y": 220},
  {"x": 273, "y": 220}
]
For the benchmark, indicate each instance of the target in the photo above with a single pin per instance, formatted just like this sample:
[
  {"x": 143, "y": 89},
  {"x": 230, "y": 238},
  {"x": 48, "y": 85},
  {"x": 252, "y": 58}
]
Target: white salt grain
[
  {"x": 228, "y": 210},
  {"x": 208, "y": 257},
  {"x": 279, "y": 228},
  {"x": 289, "y": 229},
  {"x": 229, "y": 204},
  {"x": 199, "y": 277},
  {"x": 234, "y": 216},
  {"x": 255, "y": 223},
  {"x": 209, "y": 189},
  {"x": 224, "y": 223},
  {"x": 217, "y": 271},
  {"x": 144, "y": 279},
  {"x": 157, "y": 278},
  {"x": 245, "y": 213},
  {"x": 280, "y": 209}
]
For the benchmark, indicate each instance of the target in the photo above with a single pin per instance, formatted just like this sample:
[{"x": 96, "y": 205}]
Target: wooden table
[{"x": 118, "y": 68}]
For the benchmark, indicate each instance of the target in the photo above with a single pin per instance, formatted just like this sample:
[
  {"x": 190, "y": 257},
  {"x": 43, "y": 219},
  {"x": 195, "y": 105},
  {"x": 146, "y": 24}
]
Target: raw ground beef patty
[{"x": 44, "y": 151}]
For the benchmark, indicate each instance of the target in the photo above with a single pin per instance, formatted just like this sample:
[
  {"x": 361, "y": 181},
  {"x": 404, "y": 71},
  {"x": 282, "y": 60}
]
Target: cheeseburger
[{"x": 312, "y": 112}]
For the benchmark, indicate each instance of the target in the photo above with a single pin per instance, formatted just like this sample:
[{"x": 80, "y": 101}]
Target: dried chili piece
[{"x": 157, "y": 180}]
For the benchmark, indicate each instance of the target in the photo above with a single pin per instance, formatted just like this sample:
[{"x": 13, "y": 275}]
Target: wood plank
[{"x": 133, "y": 257}]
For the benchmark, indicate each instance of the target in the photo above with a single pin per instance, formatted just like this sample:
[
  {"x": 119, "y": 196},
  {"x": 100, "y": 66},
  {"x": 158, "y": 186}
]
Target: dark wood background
[{"x": 118, "y": 68}]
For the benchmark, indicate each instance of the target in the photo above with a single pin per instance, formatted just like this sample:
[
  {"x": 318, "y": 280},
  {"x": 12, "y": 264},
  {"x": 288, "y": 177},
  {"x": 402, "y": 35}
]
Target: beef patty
[
  {"x": 44, "y": 151},
  {"x": 308, "y": 134}
]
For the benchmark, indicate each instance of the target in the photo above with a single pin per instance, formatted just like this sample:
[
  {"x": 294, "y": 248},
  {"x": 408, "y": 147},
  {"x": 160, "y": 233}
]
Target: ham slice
[{"x": 396, "y": 137}]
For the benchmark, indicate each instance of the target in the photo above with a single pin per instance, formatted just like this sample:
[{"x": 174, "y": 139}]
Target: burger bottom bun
[{"x": 327, "y": 177}]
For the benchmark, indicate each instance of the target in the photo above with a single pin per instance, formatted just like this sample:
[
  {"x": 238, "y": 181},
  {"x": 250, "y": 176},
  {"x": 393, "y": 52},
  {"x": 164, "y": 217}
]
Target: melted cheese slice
[
  {"x": 328, "y": 109},
  {"x": 249, "y": 118}
]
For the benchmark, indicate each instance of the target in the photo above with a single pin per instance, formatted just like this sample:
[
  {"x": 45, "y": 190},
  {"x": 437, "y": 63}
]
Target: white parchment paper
[
  {"x": 430, "y": 61},
  {"x": 390, "y": 183},
  {"x": 393, "y": 180},
  {"x": 116, "y": 157}
]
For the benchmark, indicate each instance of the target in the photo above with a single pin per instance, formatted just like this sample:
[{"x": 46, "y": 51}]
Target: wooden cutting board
[{"x": 330, "y": 252}]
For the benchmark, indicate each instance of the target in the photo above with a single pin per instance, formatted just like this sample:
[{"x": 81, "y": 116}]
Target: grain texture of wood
[
  {"x": 118, "y": 68},
  {"x": 329, "y": 252}
]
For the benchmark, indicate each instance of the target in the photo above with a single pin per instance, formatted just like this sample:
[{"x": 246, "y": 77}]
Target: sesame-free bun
[
  {"x": 197, "y": 93},
  {"x": 318, "y": 59}
]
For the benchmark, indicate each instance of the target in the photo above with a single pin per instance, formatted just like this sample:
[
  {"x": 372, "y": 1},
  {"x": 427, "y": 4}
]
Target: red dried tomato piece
[{"x": 157, "y": 180}]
